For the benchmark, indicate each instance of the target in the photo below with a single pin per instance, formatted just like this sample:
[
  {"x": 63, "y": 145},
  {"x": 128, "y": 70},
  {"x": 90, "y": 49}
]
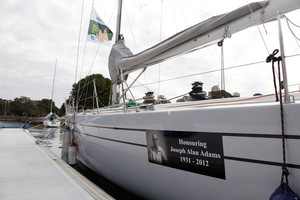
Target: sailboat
[
  {"x": 52, "y": 120},
  {"x": 230, "y": 148}
]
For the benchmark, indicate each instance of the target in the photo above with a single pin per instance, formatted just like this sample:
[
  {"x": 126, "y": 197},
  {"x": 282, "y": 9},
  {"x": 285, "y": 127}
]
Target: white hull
[
  {"x": 51, "y": 123},
  {"x": 114, "y": 144}
]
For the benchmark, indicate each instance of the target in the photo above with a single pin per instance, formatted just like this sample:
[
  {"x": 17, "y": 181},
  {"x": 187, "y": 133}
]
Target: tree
[
  {"x": 23, "y": 106},
  {"x": 183, "y": 99},
  {"x": 219, "y": 94},
  {"x": 83, "y": 91},
  {"x": 162, "y": 99},
  {"x": 44, "y": 107},
  {"x": 4, "y": 107},
  {"x": 62, "y": 110}
]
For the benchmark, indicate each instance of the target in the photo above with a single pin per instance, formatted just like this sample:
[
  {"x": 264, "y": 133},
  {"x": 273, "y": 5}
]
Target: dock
[{"x": 31, "y": 171}]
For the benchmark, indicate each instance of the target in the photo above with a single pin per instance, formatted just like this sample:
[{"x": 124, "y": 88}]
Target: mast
[
  {"x": 53, "y": 85},
  {"x": 118, "y": 29},
  {"x": 115, "y": 87}
]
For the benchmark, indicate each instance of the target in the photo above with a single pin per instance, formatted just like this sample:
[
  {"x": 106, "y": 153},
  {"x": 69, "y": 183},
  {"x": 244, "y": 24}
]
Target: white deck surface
[{"x": 30, "y": 171}]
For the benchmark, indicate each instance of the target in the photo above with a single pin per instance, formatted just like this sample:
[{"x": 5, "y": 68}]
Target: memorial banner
[{"x": 190, "y": 151}]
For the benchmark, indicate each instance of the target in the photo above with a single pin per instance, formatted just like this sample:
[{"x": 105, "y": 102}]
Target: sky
[{"x": 34, "y": 34}]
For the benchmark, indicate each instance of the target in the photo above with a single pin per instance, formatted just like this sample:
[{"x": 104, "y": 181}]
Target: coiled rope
[{"x": 272, "y": 58}]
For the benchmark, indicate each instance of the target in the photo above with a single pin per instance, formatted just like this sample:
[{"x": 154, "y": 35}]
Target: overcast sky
[{"x": 35, "y": 33}]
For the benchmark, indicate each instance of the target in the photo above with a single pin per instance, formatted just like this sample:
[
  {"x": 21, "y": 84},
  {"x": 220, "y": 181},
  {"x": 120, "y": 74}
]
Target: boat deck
[
  {"x": 31, "y": 171},
  {"x": 268, "y": 99}
]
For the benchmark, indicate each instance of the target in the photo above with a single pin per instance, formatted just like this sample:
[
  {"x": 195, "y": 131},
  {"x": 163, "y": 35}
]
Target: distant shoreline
[{"x": 33, "y": 120}]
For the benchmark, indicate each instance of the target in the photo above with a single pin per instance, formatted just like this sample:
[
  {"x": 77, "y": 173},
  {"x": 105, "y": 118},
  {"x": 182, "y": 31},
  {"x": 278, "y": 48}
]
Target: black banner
[{"x": 190, "y": 151}]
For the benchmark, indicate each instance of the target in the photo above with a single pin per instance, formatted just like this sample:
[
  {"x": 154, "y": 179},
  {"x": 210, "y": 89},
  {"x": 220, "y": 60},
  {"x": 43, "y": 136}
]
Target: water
[
  {"x": 11, "y": 125},
  {"x": 52, "y": 138}
]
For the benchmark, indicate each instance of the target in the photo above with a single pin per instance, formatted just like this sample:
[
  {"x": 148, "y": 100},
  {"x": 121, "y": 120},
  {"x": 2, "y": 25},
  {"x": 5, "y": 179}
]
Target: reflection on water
[
  {"x": 11, "y": 125},
  {"x": 51, "y": 137}
]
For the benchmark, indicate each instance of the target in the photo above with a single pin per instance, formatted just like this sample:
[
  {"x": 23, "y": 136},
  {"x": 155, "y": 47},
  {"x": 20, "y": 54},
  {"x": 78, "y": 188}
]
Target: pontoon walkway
[{"x": 31, "y": 171}]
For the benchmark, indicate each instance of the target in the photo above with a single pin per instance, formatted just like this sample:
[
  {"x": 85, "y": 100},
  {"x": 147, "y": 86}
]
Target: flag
[{"x": 98, "y": 31}]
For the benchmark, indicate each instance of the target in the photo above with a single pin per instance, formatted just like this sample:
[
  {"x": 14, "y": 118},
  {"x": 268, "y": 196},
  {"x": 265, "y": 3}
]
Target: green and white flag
[{"x": 98, "y": 31}]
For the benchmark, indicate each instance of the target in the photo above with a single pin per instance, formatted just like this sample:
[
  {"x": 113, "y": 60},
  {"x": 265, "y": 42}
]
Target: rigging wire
[
  {"x": 148, "y": 39},
  {"x": 78, "y": 44},
  {"x": 82, "y": 64},
  {"x": 84, "y": 88},
  {"x": 182, "y": 76},
  {"x": 291, "y": 21},
  {"x": 161, "y": 21},
  {"x": 100, "y": 44},
  {"x": 193, "y": 50},
  {"x": 160, "y": 38},
  {"x": 90, "y": 69},
  {"x": 259, "y": 30},
  {"x": 142, "y": 85},
  {"x": 83, "y": 59},
  {"x": 130, "y": 27},
  {"x": 206, "y": 72},
  {"x": 94, "y": 59},
  {"x": 288, "y": 21},
  {"x": 262, "y": 37}
]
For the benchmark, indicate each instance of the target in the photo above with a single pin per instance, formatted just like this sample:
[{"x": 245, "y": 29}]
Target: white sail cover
[
  {"x": 214, "y": 28},
  {"x": 118, "y": 51}
]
